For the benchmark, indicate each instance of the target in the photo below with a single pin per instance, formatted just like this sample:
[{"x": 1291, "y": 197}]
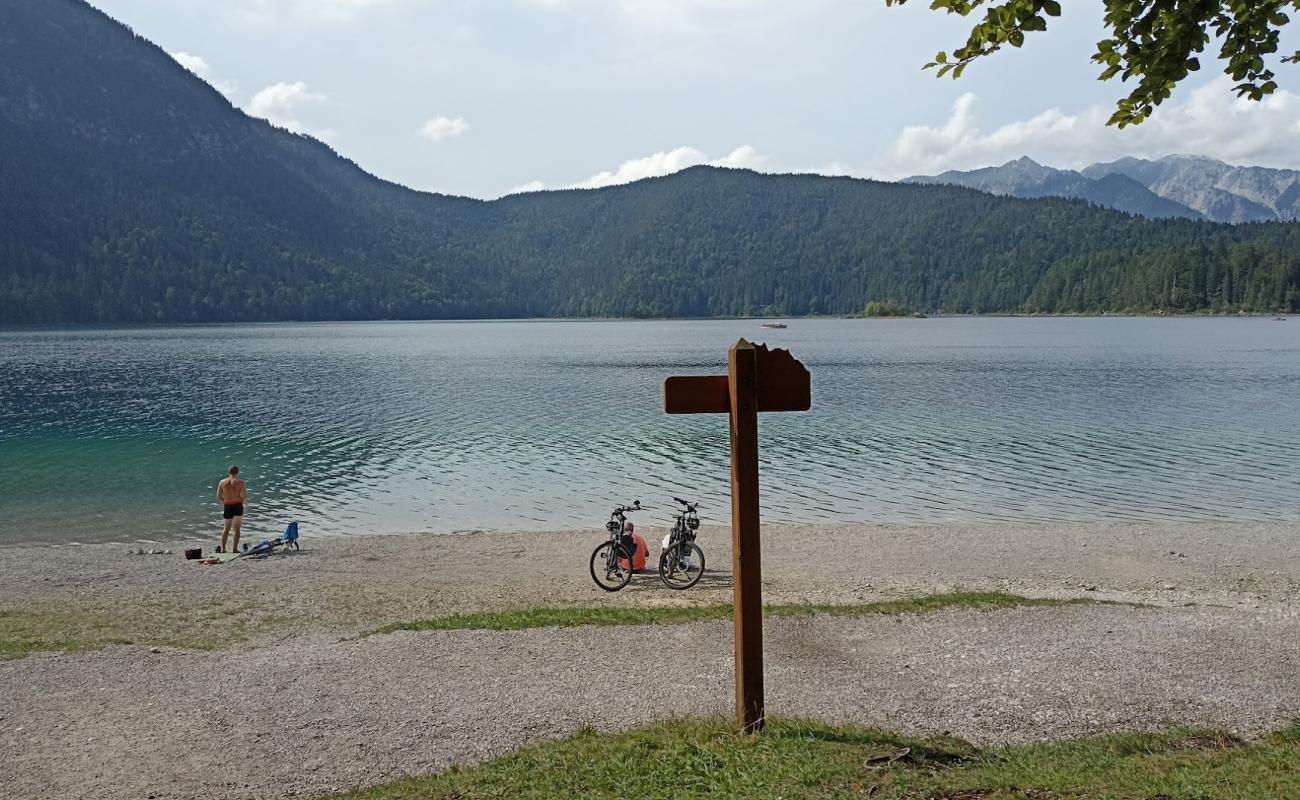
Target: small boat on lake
[{"x": 774, "y": 325}]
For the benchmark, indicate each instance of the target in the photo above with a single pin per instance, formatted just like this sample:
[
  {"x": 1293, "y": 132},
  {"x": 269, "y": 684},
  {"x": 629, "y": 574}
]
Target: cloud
[
  {"x": 1210, "y": 122},
  {"x": 200, "y": 67},
  {"x": 441, "y": 128},
  {"x": 660, "y": 163},
  {"x": 531, "y": 186},
  {"x": 670, "y": 161},
  {"x": 279, "y": 104},
  {"x": 193, "y": 63},
  {"x": 743, "y": 157}
]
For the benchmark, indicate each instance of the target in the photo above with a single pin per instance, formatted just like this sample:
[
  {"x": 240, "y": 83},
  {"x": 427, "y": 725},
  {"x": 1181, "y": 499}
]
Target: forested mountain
[{"x": 134, "y": 192}]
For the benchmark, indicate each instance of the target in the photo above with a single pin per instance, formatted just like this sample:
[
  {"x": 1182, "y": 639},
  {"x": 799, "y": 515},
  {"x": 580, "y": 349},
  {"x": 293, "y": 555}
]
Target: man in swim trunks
[{"x": 232, "y": 492}]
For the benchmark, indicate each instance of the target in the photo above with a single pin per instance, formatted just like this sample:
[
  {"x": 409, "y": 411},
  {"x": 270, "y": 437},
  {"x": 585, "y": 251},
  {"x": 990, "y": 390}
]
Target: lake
[{"x": 121, "y": 434}]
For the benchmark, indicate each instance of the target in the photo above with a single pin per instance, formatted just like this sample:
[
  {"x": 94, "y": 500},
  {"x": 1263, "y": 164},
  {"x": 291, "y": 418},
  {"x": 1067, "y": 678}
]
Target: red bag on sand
[{"x": 639, "y": 557}]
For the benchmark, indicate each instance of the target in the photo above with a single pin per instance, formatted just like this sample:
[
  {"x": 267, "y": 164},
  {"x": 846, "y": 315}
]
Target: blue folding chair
[{"x": 287, "y": 539}]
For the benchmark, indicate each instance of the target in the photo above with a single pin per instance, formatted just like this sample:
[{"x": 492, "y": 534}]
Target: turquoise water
[{"x": 121, "y": 435}]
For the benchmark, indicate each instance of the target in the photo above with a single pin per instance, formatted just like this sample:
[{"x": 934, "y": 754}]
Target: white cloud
[
  {"x": 531, "y": 186},
  {"x": 193, "y": 63},
  {"x": 835, "y": 169},
  {"x": 279, "y": 104},
  {"x": 661, "y": 163},
  {"x": 441, "y": 128},
  {"x": 1210, "y": 122},
  {"x": 743, "y": 157},
  {"x": 670, "y": 161},
  {"x": 200, "y": 67}
]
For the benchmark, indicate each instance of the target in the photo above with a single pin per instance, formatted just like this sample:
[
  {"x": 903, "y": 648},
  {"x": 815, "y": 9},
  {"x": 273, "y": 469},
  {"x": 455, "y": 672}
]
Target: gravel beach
[{"x": 301, "y": 706}]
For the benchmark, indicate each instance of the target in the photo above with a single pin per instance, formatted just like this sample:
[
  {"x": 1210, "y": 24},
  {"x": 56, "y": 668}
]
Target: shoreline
[
  {"x": 126, "y": 326},
  {"x": 343, "y": 584},
  {"x": 267, "y": 662},
  {"x": 209, "y": 540}
]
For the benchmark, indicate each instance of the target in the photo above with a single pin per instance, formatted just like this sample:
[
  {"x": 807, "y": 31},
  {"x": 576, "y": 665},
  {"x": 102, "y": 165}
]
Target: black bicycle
[
  {"x": 682, "y": 561},
  {"x": 611, "y": 561}
]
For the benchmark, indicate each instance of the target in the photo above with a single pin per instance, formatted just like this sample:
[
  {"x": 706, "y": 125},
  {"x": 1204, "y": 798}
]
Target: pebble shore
[{"x": 309, "y": 708}]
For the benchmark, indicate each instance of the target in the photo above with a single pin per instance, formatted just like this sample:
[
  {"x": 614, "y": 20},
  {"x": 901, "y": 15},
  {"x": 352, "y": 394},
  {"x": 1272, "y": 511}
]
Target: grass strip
[
  {"x": 796, "y": 760},
  {"x": 36, "y": 627},
  {"x": 564, "y": 617}
]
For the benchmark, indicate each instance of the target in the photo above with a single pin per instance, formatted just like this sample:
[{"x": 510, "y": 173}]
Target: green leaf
[{"x": 1052, "y": 8}]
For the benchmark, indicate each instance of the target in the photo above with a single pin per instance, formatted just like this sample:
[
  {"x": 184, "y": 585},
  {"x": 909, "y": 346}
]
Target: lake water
[{"x": 121, "y": 435}]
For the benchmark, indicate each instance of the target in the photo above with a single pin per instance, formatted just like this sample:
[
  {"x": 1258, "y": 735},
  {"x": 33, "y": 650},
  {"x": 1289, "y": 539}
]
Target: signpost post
[{"x": 757, "y": 380}]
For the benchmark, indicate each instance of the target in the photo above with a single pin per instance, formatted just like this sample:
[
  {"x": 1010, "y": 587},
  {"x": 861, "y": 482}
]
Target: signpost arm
[{"x": 747, "y": 577}]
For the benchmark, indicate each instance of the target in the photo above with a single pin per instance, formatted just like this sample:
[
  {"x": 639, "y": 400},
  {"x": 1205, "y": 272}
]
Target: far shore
[{"x": 1202, "y": 313}]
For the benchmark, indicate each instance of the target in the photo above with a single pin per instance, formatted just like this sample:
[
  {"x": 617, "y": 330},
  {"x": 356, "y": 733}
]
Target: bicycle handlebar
[
  {"x": 689, "y": 506},
  {"x": 636, "y": 506}
]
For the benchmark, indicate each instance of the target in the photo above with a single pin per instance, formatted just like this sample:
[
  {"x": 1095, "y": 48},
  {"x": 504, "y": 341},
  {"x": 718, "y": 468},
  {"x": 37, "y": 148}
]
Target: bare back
[{"x": 231, "y": 491}]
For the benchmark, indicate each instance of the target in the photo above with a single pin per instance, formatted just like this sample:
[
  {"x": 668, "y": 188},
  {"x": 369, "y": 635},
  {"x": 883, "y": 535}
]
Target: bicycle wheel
[
  {"x": 605, "y": 568},
  {"x": 681, "y": 565}
]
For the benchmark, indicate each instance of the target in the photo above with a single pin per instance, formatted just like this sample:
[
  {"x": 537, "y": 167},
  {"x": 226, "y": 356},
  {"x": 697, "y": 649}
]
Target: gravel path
[
  {"x": 302, "y": 708},
  {"x": 315, "y": 714}
]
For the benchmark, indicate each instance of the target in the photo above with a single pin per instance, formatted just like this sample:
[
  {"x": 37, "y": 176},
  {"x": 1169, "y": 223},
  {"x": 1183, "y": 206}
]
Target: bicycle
[
  {"x": 682, "y": 561},
  {"x": 611, "y": 561}
]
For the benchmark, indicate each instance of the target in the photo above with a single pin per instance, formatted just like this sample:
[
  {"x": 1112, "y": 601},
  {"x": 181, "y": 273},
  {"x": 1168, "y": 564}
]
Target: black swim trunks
[{"x": 233, "y": 510}]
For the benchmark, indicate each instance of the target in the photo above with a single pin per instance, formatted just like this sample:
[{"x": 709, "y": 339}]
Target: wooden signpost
[{"x": 757, "y": 380}]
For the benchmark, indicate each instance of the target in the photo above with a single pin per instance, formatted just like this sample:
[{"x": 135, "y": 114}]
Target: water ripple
[{"x": 117, "y": 434}]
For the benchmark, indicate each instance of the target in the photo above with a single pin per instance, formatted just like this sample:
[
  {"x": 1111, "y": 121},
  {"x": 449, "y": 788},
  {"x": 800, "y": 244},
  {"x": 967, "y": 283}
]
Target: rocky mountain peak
[{"x": 1179, "y": 185}]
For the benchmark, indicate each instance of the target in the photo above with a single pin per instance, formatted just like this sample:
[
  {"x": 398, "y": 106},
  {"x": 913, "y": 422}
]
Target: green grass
[
  {"x": 698, "y": 759},
  {"x": 29, "y": 630},
  {"x": 626, "y": 615},
  {"x": 35, "y": 627}
]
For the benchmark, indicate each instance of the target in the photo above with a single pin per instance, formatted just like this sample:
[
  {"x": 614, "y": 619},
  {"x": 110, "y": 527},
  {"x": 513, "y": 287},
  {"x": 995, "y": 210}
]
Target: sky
[{"x": 488, "y": 97}]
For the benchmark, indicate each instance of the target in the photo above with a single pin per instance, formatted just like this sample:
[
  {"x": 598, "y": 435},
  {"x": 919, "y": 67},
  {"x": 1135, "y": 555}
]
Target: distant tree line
[{"x": 702, "y": 243}]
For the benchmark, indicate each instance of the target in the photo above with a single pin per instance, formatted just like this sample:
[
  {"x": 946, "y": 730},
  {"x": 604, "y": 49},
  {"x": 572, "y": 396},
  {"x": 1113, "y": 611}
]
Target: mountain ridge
[
  {"x": 1179, "y": 185},
  {"x": 137, "y": 193}
]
